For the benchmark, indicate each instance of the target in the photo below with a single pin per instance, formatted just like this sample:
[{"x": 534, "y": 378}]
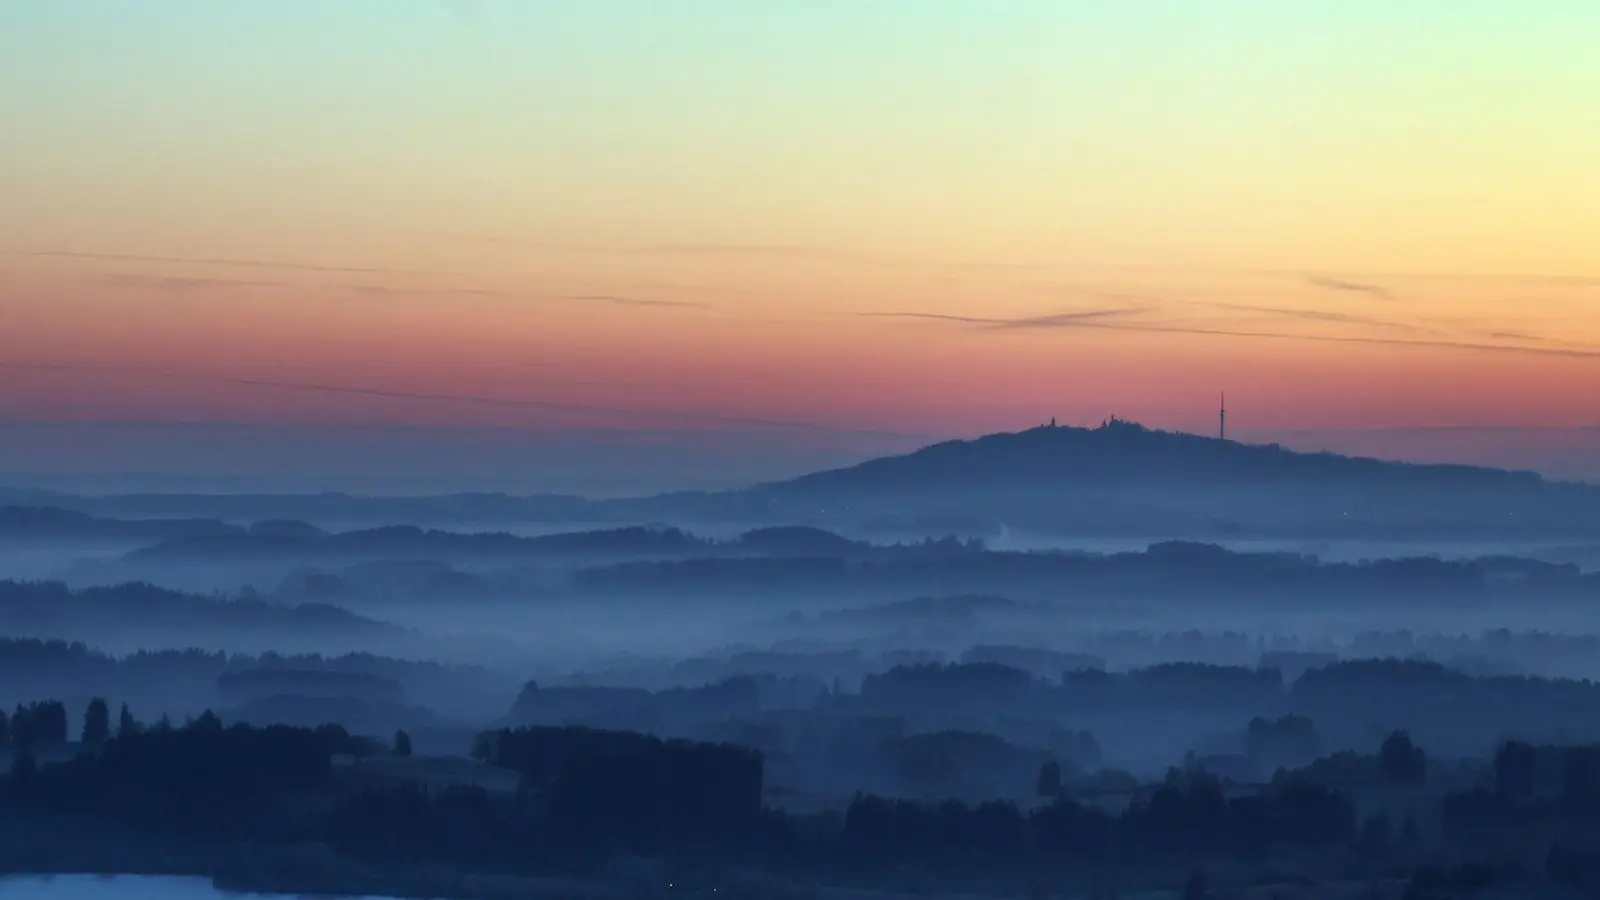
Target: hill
[
  {"x": 146, "y": 616},
  {"x": 1127, "y": 453},
  {"x": 1122, "y": 479},
  {"x": 478, "y": 509},
  {"x": 400, "y": 542},
  {"x": 1117, "y": 480},
  {"x": 40, "y": 522}
]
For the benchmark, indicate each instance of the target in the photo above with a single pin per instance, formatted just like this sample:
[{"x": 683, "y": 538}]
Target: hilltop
[
  {"x": 1129, "y": 453},
  {"x": 1127, "y": 480}
]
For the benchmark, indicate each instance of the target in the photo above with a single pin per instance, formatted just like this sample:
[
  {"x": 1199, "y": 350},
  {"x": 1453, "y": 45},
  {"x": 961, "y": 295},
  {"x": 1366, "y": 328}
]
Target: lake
[{"x": 118, "y": 887}]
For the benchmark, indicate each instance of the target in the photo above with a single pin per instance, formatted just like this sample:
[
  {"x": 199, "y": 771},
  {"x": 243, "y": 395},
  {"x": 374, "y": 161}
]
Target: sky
[{"x": 824, "y": 227}]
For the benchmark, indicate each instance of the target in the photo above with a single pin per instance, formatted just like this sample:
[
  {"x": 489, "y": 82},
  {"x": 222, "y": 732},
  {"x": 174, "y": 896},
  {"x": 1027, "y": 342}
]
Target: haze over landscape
[{"x": 480, "y": 449}]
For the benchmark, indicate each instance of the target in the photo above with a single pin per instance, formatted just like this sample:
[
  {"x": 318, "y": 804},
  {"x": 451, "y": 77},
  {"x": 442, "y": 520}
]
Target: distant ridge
[
  {"x": 1121, "y": 479},
  {"x": 1121, "y": 452}
]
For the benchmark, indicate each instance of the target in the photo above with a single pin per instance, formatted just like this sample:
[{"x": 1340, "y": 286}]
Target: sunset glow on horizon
[{"x": 926, "y": 218}]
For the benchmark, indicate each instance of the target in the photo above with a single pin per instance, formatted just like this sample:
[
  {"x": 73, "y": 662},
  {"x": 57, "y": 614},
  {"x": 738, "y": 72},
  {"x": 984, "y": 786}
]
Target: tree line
[{"x": 589, "y": 795}]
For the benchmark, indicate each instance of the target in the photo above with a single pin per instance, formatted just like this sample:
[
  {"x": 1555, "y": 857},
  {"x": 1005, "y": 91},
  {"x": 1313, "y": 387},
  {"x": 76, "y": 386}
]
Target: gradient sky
[{"x": 850, "y": 220}]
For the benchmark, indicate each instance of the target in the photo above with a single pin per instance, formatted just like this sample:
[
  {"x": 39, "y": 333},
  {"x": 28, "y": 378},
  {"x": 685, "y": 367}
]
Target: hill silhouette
[
  {"x": 1121, "y": 451},
  {"x": 37, "y": 522},
  {"x": 1117, "y": 480},
  {"x": 1123, "y": 479},
  {"x": 51, "y": 609},
  {"x": 409, "y": 541}
]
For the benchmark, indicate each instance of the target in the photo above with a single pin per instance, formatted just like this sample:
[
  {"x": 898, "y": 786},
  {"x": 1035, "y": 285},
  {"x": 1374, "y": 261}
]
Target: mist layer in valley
[{"x": 1061, "y": 616}]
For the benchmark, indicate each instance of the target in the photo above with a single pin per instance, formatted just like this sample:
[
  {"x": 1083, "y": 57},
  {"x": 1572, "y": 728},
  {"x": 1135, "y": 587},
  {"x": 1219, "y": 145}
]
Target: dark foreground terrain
[{"x": 572, "y": 812}]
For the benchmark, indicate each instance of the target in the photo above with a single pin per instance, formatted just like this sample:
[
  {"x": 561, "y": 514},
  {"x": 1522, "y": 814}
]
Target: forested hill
[
  {"x": 1125, "y": 479},
  {"x": 1129, "y": 454},
  {"x": 1120, "y": 479}
]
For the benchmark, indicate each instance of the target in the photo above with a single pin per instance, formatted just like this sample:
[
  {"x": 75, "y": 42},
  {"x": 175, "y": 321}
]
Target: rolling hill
[
  {"x": 1117, "y": 480},
  {"x": 1122, "y": 479}
]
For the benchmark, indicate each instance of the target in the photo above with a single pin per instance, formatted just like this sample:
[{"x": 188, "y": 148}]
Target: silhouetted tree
[
  {"x": 1403, "y": 762},
  {"x": 1291, "y": 737},
  {"x": 21, "y": 728},
  {"x": 39, "y": 723},
  {"x": 1514, "y": 766},
  {"x": 1049, "y": 779},
  {"x": 127, "y": 725},
  {"x": 195, "y": 779},
  {"x": 54, "y": 717},
  {"x": 5, "y": 728},
  {"x": 96, "y": 723},
  {"x": 611, "y": 792},
  {"x": 1580, "y": 777},
  {"x": 24, "y": 768}
]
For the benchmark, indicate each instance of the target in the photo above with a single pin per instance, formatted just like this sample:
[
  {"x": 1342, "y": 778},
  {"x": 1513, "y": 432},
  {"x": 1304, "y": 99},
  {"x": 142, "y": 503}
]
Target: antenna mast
[{"x": 1222, "y": 417}]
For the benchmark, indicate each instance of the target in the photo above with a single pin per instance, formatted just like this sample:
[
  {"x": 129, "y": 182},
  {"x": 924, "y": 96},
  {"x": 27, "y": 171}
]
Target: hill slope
[
  {"x": 1129, "y": 454},
  {"x": 1119, "y": 480},
  {"x": 1122, "y": 479}
]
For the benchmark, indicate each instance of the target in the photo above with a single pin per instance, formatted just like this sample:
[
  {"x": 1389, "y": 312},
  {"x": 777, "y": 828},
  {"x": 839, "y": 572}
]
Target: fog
[
  {"x": 917, "y": 657},
  {"x": 664, "y": 607}
]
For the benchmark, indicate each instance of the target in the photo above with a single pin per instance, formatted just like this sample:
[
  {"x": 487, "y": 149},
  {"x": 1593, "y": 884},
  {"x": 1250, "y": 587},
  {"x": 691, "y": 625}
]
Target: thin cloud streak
[
  {"x": 379, "y": 290},
  {"x": 1078, "y": 320},
  {"x": 1314, "y": 315},
  {"x": 473, "y": 399},
  {"x": 215, "y": 261},
  {"x": 383, "y": 290},
  {"x": 1310, "y": 315},
  {"x": 1447, "y": 428},
  {"x": 794, "y": 251},
  {"x": 1069, "y": 319},
  {"x": 184, "y": 284},
  {"x": 1046, "y": 321},
  {"x": 938, "y": 317},
  {"x": 1339, "y": 282},
  {"x": 1330, "y": 339},
  {"x": 1349, "y": 287},
  {"x": 1321, "y": 315},
  {"x": 1576, "y": 281},
  {"x": 1149, "y": 304},
  {"x": 636, "y": 301}
]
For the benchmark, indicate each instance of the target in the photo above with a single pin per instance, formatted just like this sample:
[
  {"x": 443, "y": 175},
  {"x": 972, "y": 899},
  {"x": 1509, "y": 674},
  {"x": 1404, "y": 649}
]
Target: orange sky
[
  {"x": 914, "y": 346},
  {"x": 979, "y": 217}
]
